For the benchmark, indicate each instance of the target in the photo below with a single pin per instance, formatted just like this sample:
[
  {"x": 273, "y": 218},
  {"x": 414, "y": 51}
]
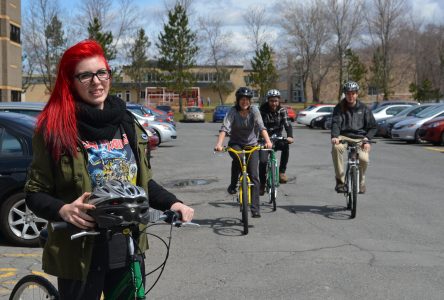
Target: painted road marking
[
  {"x": 7, "y": 272},
  {"x": 435, "y": 149}
]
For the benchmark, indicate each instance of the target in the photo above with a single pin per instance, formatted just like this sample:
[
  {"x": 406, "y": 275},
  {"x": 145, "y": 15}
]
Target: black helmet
[
  {"x": 350, "y": 86},
  {"x": 119, "y": 204},
  {"x": 244, "y": 92}
]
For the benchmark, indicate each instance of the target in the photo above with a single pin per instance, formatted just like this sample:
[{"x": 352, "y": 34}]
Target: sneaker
[
  {"x": 283, "y": 178},
  {"x": 255, "y": 214},
  {"x": 262, "y": 189},
  {"x": 340, "y": 187},
  {"x": 231, "y": 190},
  {"x": 362, "y": 189}
]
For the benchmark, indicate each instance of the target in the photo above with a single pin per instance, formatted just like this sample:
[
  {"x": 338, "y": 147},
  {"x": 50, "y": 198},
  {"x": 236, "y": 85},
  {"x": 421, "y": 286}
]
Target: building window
[
  {"x": 15, "y": 34},
  {"x": 142, "y": 95},
  {"x": 16, "y": 96},
  {"x": 127, "y": 96},
  {"x": 372, "y": 90}
]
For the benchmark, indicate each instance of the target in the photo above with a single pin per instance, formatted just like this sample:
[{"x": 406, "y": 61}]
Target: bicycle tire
[
  {"x": 273, "y": 189},
  {"x": 245, "y": 195},
  {"x": 354, "y": 191},
  {"x": 34, "y": 287}
]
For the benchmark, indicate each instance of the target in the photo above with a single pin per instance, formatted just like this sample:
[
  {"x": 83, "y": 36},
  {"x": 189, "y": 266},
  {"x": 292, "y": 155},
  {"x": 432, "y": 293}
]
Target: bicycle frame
[{"x": 352, "y": 176}]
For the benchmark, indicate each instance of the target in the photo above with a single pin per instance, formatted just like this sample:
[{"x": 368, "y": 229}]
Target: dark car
[
  {"x": 320, "y": 122},
  {"x": 219, "y": 112},
  {"x": 167, "y": 109},
  {"x": 433, "y": 131},
  {"x": 17, "y": 223}
]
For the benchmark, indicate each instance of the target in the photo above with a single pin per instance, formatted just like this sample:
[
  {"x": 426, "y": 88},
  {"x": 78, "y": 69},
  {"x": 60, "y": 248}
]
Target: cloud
[{"x": 431, "y": 11}]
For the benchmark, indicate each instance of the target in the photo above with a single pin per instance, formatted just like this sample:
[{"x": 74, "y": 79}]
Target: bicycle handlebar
[{"x": 169, "y": 216}]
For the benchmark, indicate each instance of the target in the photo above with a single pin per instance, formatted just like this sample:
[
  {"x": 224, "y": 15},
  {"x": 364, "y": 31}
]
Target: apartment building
[{"x": 10, "y": 51}]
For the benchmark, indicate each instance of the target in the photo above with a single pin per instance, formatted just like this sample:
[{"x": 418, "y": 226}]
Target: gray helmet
[
  {"x": 350, "y": 86},
  {"x": 119, "y": 204},
  {"x": 273, "y": 93},
  {"x": 244, "y": 92}
]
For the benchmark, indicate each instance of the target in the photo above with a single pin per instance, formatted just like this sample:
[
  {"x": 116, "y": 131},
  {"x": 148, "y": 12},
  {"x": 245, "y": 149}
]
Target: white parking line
[{"x": 441, "y": 149}]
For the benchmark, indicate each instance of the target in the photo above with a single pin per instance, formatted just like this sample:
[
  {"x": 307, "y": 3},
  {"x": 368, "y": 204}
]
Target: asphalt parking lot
[{"x": 308, "y": 248}]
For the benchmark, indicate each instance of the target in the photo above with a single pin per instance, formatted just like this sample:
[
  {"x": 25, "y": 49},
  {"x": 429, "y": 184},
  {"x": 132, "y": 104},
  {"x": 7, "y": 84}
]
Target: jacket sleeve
[
  {"x": 40, "y": 182},
  {"x": 336, "y": 122},
  {"x": 159, "y": 197},
  {"x": 287, "y": 123}
]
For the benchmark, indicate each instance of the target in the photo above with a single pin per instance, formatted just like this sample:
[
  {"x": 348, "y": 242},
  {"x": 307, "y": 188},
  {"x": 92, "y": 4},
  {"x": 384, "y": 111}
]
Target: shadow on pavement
[
  {"x": 331, "y": 212},
  {"x": 223, "y": 226}
]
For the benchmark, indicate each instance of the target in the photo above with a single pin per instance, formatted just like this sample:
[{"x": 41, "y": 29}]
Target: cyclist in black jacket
[
  {"x": 351, "y": 118},
  {"x": 275, "y": 119}
]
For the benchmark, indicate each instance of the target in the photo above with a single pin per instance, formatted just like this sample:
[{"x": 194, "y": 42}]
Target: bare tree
[
  {"x": 385, "y": 20},
  {"x": 308, "y": 33},
  {"x": 345, "y": 20},
  {"x": 218, "y": 52},
  {"x": 256, "y": 26},
  {"x": 43, "y": 41}
]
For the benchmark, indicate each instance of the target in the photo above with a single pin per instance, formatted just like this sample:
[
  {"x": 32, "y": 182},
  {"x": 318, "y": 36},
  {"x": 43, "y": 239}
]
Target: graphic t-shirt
[{"x": 111, "y": 160}]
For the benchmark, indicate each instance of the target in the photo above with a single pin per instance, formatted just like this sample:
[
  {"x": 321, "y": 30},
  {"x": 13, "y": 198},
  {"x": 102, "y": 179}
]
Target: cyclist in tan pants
[{"x": 351, "y": 118}]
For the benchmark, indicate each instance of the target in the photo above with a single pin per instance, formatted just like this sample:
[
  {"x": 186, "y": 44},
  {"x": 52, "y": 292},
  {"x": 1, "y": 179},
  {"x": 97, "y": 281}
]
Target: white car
[
  {"x": 388, "y": 110},
  {"x": 308, "y": 115},
  {"x": 165, "y": 131},
  {"x": 407, "y": 130}
]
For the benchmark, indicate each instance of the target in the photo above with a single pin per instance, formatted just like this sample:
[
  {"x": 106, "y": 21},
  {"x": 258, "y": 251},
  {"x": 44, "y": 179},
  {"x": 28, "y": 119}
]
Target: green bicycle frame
[{"x": 272, "y": 176}]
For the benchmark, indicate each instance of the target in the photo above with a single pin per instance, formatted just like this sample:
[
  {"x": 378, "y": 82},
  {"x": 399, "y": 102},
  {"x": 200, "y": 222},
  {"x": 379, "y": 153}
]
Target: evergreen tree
[
  {"x": 55, "y": 45},
  {"x": 424, "y": 91},
  {"x": 264, "y": 74},
  {"x": 177, "y": 49},
  {"x": 356, "y": 70},
  {"x": 105, "y": 39},
  {"x": 139, "y": 60}
]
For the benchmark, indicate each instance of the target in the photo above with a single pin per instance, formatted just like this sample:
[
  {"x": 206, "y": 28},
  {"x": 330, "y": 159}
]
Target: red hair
[{"x": 58, "y": 120}]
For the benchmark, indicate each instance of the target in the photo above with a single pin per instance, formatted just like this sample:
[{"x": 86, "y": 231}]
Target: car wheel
[
  {"x": 18, "y": 223},
  {"x": 418, "y": 139},
  {"x": 312, "y": 124},
  {"x": 442, "y": 138}
]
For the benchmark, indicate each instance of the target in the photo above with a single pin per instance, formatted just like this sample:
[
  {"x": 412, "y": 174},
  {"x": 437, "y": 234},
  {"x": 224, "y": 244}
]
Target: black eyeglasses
[{"x": 88, "y": 77}]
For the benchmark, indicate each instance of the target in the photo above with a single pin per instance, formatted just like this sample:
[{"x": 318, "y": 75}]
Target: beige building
[{"x": 10, "y": 51}]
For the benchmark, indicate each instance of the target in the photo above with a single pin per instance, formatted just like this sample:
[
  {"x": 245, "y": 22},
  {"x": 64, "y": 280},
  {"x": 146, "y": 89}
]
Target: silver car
[
  {"x": 193, "y": 114},
  {"x": 165, "y": 131},
  {"x": 407, "y": 130}
]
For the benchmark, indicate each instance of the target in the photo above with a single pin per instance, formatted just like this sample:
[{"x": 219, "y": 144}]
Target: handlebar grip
[
  {"x": 55, "y": 226},
  {"x": 172, "y": 216}
]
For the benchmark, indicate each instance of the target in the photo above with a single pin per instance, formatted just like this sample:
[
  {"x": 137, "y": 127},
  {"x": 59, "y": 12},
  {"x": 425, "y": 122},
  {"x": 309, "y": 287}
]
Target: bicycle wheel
[
  {"x": 245, "y": 193},
  {"x": 273, "y": 190},
  {"x": 354, "y": 191},
  {"x": 34, "y": 287}
]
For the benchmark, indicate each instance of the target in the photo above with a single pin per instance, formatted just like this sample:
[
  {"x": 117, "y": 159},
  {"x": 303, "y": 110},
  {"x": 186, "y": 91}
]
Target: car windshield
[
  {"x": 417, "y": 109},
  {"x": 222, "y": 108},
  {"x": 311, "y": 107},
  {"x": 136, "y": 110},
  {"x": 430, "y": 111},
  {"x": 379, "y": 109},
  {"x": 194, "y": 109}
]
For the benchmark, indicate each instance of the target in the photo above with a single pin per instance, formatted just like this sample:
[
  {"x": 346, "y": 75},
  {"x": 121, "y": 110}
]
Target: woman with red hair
[{"x": 84, "y": 138}]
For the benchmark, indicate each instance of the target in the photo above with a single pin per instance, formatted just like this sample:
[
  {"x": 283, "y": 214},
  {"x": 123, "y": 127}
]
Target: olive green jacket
[{"x": 67, "y": 180}]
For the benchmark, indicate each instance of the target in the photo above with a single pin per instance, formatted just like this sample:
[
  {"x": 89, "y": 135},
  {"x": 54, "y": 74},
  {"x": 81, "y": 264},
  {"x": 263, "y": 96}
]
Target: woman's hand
[
  {"x": 218, "y": 147},
  {"x": 290, "y": 140},
  {"x": 75, "y": 212},
  {"x": 186, "y": 211}
]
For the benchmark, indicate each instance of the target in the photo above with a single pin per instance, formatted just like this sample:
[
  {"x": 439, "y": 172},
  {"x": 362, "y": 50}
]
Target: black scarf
[{"x": 96, "y": 124}]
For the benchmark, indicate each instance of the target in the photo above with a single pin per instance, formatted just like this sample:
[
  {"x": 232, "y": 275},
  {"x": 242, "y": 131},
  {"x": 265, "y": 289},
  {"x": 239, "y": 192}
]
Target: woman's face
[
  {"x": 92, "y": 81},
  {"x": 244, "y": 103}
]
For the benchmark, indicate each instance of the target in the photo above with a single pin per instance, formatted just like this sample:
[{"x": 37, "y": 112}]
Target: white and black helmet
[
  {"x": 119, "y": 204},
  {"x": 273, "y": 93},
  {"x": 350, "y": 86}
]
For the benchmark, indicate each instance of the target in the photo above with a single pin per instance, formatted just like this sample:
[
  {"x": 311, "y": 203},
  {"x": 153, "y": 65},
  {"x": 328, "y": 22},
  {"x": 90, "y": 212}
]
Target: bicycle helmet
[
  {"x": 244, "y": 92},
  {"x": 119, "y": 204},
  {"x": 350, "y": 86},
  {"x": 273, "y": 93}
]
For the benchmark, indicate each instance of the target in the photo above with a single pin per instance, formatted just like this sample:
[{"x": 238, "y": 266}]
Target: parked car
[
  {"x": 378, "y": 104},
  {"x": 307, "y": 116},
  {"x": 165, "y": 131},
  {"x": 408, "y": 130},
  {"x": 385, "y": 125},
  {"x": 320, "y": 122},
  {"x": 27, "y": 108},
  {"x": 433, "y": 131},
  {"x": 167, "y": 109},
  {"x": 220, "y": 112},
  {"x": 290, "y": 112},
  {"x": 139, "y": 110},
  {"x": 18, "y": 224},
  {"x": 193, "y": 114},
  {"x": 159, "y": 115},
  {"x": 388, "y": 110}
]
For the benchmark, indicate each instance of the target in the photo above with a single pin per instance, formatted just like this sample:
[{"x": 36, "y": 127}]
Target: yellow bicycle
[{"x": 244, "y": 181}]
